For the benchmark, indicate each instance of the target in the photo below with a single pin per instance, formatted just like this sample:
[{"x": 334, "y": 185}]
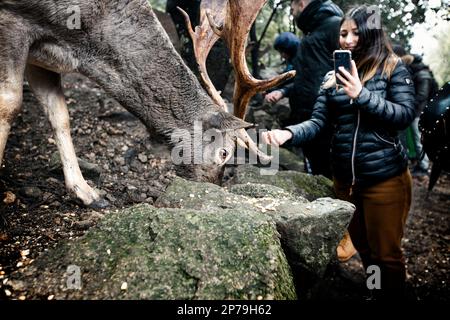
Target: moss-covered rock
[
  {"x": 311, "y": 234},
  {"x": 204, "y": 242},
  {"x": 255, "y": 190},
  {"x": 273, "y": 201},
  {"x": 310, "y": 231},
  {"x": 148, "y": 253},
  {"x": 299, "y": 183}
]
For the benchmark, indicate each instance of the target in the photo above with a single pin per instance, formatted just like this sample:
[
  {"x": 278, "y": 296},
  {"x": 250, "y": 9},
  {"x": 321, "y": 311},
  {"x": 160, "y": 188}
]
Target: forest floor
[{"x": 36, "y": 212}]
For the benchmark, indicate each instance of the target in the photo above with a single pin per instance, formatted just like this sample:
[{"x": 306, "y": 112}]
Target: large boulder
[
  {"x": 254, "y": 190},
  {"x": 299, "y": 183},
  {"x": 310, "y": 231},
  {"x": 149, "y": 253}
]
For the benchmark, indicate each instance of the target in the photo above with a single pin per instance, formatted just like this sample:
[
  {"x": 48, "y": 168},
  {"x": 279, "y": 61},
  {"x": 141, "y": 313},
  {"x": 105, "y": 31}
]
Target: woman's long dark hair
[{"x": 373, "y": 51}]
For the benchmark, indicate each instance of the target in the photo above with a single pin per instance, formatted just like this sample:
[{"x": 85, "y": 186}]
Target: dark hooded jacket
[
  {"x": 286, "y": 42},
  {"x": 365, "y": 147},
  {"x": 424, "y": 82},
  {"x": 319, "y": 23}
]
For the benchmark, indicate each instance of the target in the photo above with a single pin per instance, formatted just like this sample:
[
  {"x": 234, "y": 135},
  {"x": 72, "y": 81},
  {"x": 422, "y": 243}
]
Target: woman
[{"x": 369, "y": 164}]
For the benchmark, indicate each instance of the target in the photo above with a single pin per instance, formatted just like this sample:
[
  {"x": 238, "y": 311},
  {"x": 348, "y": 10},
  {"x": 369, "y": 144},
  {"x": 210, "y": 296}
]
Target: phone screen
[{"x": 342, "y": 58}]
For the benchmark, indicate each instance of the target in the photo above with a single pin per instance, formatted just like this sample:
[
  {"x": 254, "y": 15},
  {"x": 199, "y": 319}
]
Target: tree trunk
[
  {"x": 255, "y": 52},
  {"x": 193, "y": 10},
  {"x": 218, "y": 62}
]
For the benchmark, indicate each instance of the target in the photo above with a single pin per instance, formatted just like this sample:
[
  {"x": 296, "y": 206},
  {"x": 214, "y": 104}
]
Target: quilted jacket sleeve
[{"x": 307, "y": 130}]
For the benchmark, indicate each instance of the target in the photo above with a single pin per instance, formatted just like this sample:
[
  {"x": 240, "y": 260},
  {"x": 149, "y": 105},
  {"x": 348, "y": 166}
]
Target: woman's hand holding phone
[{"x": 350, "y": 82}]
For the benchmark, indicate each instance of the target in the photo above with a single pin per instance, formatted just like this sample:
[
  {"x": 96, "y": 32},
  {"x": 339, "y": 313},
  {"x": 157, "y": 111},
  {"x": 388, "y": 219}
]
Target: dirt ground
[{"x": 36, "y": 212}]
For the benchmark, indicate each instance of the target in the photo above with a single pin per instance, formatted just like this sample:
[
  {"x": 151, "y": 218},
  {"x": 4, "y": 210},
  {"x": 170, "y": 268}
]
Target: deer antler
[
  {"x": 240, "y": 15},
  {"x": 203, "y": 39}
]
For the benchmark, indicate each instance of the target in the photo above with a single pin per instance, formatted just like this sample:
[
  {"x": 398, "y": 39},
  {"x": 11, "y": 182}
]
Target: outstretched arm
[
  {"x": 302, "y": 132},
  {"x": 278, "y": 94}
]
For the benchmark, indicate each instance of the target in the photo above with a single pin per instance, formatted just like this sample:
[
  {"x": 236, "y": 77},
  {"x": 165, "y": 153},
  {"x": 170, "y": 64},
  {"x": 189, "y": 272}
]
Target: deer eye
[{"x": 223, "y": 154}]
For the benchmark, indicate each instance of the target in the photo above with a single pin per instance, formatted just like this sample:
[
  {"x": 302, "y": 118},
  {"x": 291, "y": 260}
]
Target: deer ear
[{"x": 222, "y": 121}]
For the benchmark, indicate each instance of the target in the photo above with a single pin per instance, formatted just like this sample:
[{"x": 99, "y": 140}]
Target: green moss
[
  {"x": 315, "y": 186},
  {"x": 174, "y": 254},
  {"x": 298, "y": 183}
]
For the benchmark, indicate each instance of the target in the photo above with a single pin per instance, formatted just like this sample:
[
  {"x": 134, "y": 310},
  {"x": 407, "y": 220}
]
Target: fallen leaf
[{"x": 9, "y": 197}]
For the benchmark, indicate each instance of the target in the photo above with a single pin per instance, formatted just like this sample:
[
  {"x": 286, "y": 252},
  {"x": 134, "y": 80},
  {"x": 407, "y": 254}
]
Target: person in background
[
  {"x": 370, "y": 166},
  {"x": 319, "y": 21},
  {"x": 426, "y": 86},
  {"x": 286, "y": 44}
]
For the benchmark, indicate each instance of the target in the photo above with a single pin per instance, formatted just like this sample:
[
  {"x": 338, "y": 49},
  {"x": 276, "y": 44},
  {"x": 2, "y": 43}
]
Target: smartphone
[{"x": 342, "y": 58}]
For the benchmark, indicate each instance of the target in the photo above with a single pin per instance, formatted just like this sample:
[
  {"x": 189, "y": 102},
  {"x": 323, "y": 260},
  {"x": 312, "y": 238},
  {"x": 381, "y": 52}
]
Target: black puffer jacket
[
  {"x": 365, "y": 147},
  {"x": 319, "y": 23}
]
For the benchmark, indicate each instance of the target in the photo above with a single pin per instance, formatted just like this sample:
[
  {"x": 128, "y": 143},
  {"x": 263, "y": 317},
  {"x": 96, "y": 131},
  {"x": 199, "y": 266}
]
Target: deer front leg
[
  {"x": 12, "y": 65},
  {"x": 47, "y": 87},
  {"x": 10, "y": 103}
]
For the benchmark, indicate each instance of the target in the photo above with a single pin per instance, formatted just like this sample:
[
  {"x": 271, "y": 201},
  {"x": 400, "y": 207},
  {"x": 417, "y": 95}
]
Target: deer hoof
[{"x": 99, "y": 204}]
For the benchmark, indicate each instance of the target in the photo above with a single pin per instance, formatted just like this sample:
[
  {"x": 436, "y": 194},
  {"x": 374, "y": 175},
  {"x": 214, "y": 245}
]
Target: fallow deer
[{"x": 120, "y": 45}]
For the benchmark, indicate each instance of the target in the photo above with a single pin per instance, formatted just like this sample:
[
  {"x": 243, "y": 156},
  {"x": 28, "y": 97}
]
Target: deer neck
[{"x": 137, "y": 65}]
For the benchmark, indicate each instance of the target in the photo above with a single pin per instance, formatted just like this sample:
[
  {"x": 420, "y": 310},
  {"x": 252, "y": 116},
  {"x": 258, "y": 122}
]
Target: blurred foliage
[
  {"x": 282, "y": 21},
  {"x": 439, "y": 60},
  {"x": 398, "y": 18}
]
